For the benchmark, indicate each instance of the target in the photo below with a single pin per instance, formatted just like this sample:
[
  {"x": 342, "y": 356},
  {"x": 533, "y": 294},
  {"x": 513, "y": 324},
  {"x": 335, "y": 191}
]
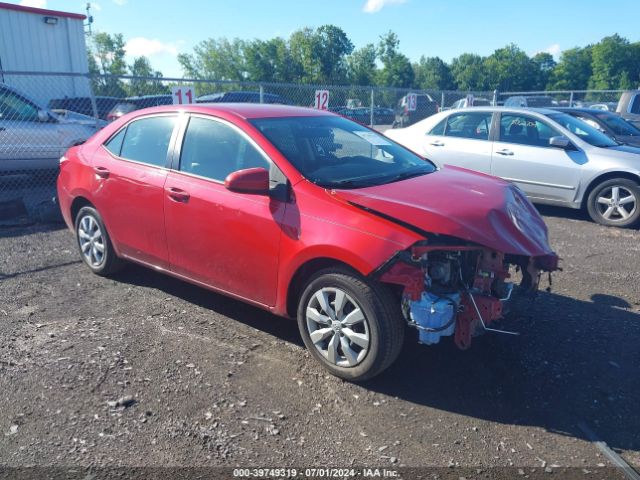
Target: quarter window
[
  {"x": 469, "y": 125},
  {"x": 147, "y": 140},
  {"x": 438, "y": 129},
  {"x": 114, "y": 145},
  {"x": 212, "y": 149},
  {"x": 525, "y": 131}
]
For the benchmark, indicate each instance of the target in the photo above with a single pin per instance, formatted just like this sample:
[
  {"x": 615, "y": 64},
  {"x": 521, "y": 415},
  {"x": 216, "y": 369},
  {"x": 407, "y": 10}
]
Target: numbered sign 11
[
  {"x": 412, "y": 102},
  {"x": 322, "y": 100},
  {"x": 182, "y": 95}
]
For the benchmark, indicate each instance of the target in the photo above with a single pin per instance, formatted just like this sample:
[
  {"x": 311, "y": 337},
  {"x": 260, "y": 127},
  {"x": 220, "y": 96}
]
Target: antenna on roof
[{"x": 89, "y": 22}]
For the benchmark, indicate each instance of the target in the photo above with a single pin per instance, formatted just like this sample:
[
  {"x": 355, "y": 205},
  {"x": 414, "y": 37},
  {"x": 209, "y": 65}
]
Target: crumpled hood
[{"x": 463, "y": 204}]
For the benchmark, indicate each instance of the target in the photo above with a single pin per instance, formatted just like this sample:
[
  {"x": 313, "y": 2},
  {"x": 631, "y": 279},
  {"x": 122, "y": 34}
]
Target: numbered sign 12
[
  {"x": 182, "y": 95},
  {"x": 412, "y": 102},
  {"x": 322, "y": 99}
]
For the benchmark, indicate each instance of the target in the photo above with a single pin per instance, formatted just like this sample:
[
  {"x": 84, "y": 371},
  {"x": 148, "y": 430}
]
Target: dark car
[
  {"x": 241, "y": 97},
  {"x": 534, "y": 101},
  {"x": 608, "y": 122},
  {"x": 425, "y": 107},
  {"x": 84, "y": 105},
  {"x": 383, "y": 116},
  {"x": 130, "y": 104}
]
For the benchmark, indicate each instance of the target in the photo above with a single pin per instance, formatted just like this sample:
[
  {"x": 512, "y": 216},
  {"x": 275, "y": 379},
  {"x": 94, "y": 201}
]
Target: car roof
[
  {"x": 242, "y": 110},
  {"x": 523, "y": 110},
  {"x": 592, "y": 111}
]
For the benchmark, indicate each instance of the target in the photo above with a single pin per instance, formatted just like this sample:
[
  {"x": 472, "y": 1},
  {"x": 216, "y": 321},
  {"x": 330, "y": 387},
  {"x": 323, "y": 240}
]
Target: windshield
[
  {"x": 334, "y": 152},
  {"x": 582, "y": 130},
  {"x": 618, "y": 125}
]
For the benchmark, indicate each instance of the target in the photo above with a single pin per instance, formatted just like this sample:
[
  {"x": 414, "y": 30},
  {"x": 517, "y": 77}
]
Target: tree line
[{"x": 326, "y": 56}]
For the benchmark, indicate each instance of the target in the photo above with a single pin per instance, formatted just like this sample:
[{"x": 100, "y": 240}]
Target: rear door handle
[
  {"x": 178, "y": 195},
  {"x": 102, "y": 172},
  {"x": 504, "y": 151},
  {"x": 437, "y": 143}
]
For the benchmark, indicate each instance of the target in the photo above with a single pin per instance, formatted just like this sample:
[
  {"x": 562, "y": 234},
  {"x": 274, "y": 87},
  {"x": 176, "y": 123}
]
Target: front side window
[
  {"x": 213, "y": 150},
  {"x": 13, "y": 107},
  {"x": 469, "y": 125},
  {"x": 525, "y": 130},
  {"x": 334, "y": 152},
  {"x": 147, "y": 140}
]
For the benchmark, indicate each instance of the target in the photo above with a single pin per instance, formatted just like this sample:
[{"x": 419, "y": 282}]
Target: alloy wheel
[
  {"x": 92, "y": 242},
  {"x": 616, "y": 203},
  {"x": 337, "y": 327}
]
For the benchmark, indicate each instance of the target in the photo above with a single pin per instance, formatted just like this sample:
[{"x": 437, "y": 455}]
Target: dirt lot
[{"x": 208, "y": 381}]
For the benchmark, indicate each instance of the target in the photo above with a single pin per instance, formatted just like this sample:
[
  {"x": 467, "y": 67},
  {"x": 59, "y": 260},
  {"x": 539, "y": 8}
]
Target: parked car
[
  {"x": 474, "y": 102},
  {"x": 608, "y": 122},
  {"x": 535, "y": 101},
  {"x": 606, "y": 106},
  {"x": 425, "y": 106},
  {"x": 361, "y": 115},
  {"x": 308, "y": 215},
  {"x": 68, "y": 116},
  {"x": 629, "y": 106},
  {"x": 131, "y": 104},
  {"x": 552, "y": 156},
  {"x": 32, "y": 137},
  {"x": 241, "y": 97},
  {"x": 383, "y": 116},
  {"x": 84, "y": 105}
]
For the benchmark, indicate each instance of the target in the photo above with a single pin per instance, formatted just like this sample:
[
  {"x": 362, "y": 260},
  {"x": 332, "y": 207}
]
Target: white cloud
[
  {"x": 138, "y": 46},
  {"x": 373, "y": 6},
  {"x": 554, "y": 50},
  {"x": 34, "y": 3}
]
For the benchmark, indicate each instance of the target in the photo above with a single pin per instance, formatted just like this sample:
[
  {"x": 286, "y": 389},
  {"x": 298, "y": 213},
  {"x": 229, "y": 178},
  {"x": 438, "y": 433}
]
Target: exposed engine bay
[{"x": 458, "y": 290}]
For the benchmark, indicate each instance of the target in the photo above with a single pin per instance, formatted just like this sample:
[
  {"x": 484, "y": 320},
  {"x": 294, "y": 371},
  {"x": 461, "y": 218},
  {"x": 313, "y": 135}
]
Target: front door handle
[
  {"x": 437, "y": 143},
  {"x": 504, "y": 151},
  {"x": 178, "y": 195},
  {"x": 102, "y": 172}
]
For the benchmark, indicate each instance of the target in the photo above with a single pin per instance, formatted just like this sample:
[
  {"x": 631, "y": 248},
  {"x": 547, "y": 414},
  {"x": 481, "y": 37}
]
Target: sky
[{"x": 444, "y": 28}]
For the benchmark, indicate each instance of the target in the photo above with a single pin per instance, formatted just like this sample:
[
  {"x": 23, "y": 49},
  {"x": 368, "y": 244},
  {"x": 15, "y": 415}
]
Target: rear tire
[
  {"x": 94, "y": 243},
  {"x": 615, "y": 203},
  {"x": 351, "y": 325}
]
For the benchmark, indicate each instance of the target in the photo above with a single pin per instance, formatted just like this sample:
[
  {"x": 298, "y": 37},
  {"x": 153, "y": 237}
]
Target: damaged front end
[{"x": 459, "y": 290}]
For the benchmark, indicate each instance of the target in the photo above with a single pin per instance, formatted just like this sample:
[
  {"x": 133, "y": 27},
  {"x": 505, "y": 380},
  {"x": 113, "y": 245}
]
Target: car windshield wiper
[
  {"x": 409, "y": 174},
  {"x": 347, "y": 183}
]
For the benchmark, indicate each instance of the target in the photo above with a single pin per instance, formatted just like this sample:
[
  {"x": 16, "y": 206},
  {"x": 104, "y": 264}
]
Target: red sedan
[{"x": 308, "y": 215}]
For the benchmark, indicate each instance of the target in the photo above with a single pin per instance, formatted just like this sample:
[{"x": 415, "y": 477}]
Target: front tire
[
  {"x": 94, "y": 243},
  {"x": 349, "y": 324},
  {"x": 615, "y": 203}
]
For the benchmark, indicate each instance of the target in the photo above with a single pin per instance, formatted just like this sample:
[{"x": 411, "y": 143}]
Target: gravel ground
[{"x": 144, "y": 370}]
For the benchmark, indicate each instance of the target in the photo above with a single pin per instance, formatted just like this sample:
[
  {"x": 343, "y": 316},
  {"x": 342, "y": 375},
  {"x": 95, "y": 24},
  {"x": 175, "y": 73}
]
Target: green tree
[
  {"x": 544, "y": 65},
  {"x": 509, "y": 69},
  {"x": 396, "y": 67},
  {"x": 270, "y": 61},
  {"x": 151, "y": 85},
  {"x": 106, "y": 60},
  {"x": 361, "y": 66},
  {"x": 433, "y": 74},
  {"x": 469, "y": 73},
  {"x": 216, "y": 59},
  {"x": 572, "y": 71},
  {"x": 611, "y": 63}
]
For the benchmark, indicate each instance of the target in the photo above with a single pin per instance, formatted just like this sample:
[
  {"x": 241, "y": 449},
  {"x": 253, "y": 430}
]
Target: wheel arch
[
  {"x": 76, "y": 205},
  {"x": 603, "y": 178}
]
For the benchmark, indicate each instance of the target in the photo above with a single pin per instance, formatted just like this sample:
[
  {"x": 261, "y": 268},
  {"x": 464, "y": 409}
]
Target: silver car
[
  {"x": 554, "y": 158},
  {"x": 32, "y": 137}
]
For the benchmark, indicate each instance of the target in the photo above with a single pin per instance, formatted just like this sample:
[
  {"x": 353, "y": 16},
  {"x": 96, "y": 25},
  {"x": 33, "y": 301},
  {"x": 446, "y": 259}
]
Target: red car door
[
  {"x": 131, "y": 171},
  {"x": 224, "y": 239}
]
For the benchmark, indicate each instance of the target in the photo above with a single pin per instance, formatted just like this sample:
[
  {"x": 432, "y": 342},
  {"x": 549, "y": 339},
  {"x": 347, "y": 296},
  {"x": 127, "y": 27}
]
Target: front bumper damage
[{"x": 459, "y": 290}]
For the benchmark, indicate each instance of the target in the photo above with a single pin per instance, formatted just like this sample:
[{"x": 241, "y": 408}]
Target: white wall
[{"x": 29, "y": 44}]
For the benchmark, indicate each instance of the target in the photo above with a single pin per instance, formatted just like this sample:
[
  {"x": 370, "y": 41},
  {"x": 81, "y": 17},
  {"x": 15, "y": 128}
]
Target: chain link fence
[{"x": 43, "y": 114}]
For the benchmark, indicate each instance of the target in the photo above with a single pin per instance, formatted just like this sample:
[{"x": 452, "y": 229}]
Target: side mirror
[
  {"x": 43, "y": 116},
  {"x": 250, "y": 180},
  {"x": 560, "y": 142}
]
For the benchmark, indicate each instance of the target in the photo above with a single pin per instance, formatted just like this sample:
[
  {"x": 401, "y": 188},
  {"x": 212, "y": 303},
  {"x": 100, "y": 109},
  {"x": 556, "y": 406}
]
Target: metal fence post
[
  {"x": 571, "y": 99},
  {"x": 261, "y": 94},
  {"x": 442, "y": 100},
  {"x": 94, "y": 105},
  {"x": 495, "y": 98},
  {"x": 371, "y": 109}
]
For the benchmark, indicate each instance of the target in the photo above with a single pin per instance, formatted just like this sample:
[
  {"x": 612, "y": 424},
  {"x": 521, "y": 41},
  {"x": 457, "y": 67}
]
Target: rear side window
[
  {"x": 212, "y": 149},
  {"x": 469, "y": 125},
  {"x": 147, "y": 140},
  {"x": 114, "y": 145},
  {"x": 635, "y": 106}
]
